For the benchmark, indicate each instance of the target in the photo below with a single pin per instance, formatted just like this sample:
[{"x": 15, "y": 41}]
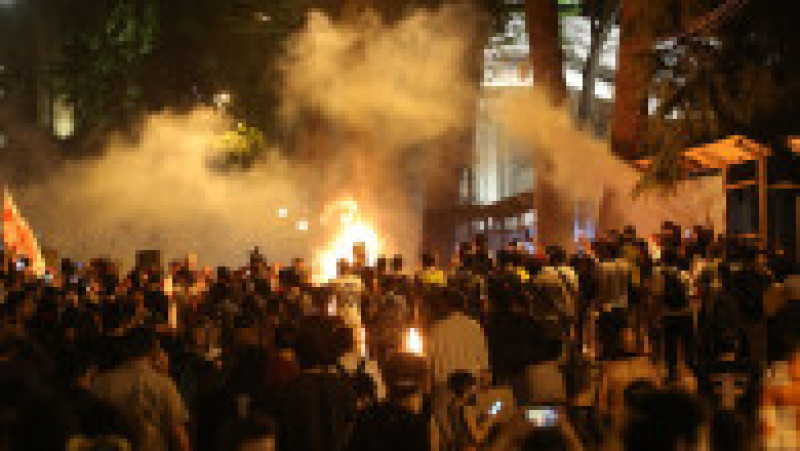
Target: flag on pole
[{"x": 18, "y": 238}]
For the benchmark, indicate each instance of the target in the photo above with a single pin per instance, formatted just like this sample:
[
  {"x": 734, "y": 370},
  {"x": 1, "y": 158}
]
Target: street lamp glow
[{"x": 263, "y": 17}]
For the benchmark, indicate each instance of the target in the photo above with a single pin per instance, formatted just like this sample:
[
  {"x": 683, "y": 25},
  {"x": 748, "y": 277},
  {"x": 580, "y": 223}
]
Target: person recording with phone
[{"x": 461, "y": 425}]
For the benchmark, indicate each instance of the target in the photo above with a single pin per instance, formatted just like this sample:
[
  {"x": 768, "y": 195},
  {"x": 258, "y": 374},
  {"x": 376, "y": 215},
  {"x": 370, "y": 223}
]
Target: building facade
[{"x": 500, "y": 194}]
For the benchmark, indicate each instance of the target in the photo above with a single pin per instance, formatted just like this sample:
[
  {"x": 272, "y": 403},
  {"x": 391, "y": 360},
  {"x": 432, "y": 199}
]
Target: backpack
[{"x": 674, "y": 297}]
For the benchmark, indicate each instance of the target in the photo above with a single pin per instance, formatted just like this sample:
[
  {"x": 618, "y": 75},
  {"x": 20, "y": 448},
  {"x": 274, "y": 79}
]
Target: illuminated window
[
  {"x": 63, "y": 118},
  {"x": 529, "y": 218}
]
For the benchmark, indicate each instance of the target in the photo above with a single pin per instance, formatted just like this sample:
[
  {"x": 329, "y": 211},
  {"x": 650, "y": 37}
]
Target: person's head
[
  {"x": 285, "y": 338},
  {"x": 670, "y": 254},
  {"x": 481, "y": 242},
  {"x": 667, "y": 421},
  {"x": 318, "y": 341},
  {"x": 254, "y": 433},
  {"x": 628, "y": 339},
  {"x": 343, "y": 340},
  {"x": 462, "y": 384},
  {"x": 730, "y": 346},
  {"x": 428, "y": 260},
  {"x": 452, "y": 300},
  {"x": 549, "y": 343},
  {"x": 556, "y": 255},
  {"x": 546, "y": 438},
  {"x": 406, "y": 376},
  {"x": 504, "y": 258},
  {"x": 728, "y": 432},
  {"x": 615, "y": 248},
  {"x": 360, "y": 254},
  {"x": 140, "y": 343},
  {"x": 381, "y": 264},
  {"x": 342, "y": 267},
  {"x": 794, "y": 361},
  {"x": 397, "y": 263}
]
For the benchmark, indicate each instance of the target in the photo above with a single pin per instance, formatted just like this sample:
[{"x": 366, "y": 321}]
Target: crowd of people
[{"x": 689, "y": 341}]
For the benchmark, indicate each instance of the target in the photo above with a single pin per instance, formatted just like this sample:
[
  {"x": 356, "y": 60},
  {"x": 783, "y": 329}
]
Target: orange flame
[
  {"x": 352, "y": 229},
  {"x": 413, "y": 342}
]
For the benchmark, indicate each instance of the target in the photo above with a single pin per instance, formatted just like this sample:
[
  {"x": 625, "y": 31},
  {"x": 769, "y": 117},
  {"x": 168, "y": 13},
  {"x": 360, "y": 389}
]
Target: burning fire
[
  {"x": 413, "y": 342},
  {"x": 351, "y": 230}
]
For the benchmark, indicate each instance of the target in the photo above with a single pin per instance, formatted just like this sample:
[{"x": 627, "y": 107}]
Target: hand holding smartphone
[
  {"x": 496, "y": 407},
  {"x": 542, "y": 416}
]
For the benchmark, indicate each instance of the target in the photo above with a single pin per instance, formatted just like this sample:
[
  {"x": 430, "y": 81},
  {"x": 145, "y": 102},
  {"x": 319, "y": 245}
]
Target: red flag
[{"x": 18, "y": 236}]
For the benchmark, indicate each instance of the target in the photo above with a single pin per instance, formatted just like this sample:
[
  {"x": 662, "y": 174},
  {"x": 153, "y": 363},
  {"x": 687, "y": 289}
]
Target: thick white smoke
[
  {"x": 583, "y": 167},
  {"x": 159, "y": 192},
  {"x": 387, "y": 94}
]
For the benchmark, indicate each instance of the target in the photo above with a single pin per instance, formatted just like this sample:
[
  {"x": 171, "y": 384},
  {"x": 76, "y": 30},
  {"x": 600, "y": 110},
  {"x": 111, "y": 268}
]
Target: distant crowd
[{"x": 685, "y": 341}]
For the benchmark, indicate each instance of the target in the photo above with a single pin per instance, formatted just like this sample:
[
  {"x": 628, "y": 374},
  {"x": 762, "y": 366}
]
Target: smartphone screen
[{"x": 543, "y": 416}]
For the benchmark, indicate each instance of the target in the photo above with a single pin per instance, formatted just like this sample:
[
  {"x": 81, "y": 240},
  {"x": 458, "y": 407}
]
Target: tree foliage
[
  {"x": 737, "y": 76},
  {"x": 123, "y": 58},
  {"x": 103, "y": 61}
]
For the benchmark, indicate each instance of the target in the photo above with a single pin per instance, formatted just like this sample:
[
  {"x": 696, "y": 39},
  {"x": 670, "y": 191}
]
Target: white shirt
[{"x": 457, "y": 343}]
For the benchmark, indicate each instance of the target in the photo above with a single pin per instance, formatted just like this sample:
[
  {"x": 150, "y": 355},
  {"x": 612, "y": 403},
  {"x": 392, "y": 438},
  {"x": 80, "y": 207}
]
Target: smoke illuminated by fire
[{"x": 351, "y": 229}]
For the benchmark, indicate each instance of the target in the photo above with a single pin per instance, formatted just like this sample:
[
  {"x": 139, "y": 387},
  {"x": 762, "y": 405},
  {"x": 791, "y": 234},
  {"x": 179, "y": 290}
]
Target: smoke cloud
[
  {"x": 158, "y": 192},
  {"x": 387, "y": 95},
  {"x": 390, "y": 97},
  {"x": 583, "y": 167}
]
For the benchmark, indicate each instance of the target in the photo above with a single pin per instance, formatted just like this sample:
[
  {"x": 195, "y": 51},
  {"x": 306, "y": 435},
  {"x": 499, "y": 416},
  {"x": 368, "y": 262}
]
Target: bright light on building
[
  {"x": 302, "y": 225},
  {"x": 263, "y": 17},
  {"x": 282, "y": 212}
]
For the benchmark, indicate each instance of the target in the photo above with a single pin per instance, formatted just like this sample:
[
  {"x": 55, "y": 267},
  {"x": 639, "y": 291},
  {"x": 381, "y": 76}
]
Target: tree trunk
[
  {"x": 602, "y": 21},
  {"x": 630, "y": 103},
  {"x": 541, "y": 19}
]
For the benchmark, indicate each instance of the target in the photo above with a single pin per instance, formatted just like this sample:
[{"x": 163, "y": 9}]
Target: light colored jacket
[{"x": 457, "y": 343}]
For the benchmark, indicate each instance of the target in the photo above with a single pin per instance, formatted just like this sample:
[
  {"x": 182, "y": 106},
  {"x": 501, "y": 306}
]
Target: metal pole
[{"x": 763, "y": 223}]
